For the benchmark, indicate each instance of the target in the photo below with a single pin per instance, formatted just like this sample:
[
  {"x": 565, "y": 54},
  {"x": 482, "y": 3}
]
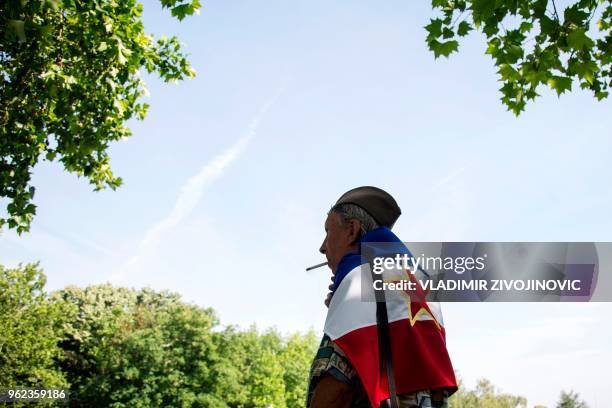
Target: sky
[{"x": 229, "y": 178}]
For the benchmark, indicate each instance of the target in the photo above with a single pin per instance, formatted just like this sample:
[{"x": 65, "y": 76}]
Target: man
[{"x": 372, "y": 351}]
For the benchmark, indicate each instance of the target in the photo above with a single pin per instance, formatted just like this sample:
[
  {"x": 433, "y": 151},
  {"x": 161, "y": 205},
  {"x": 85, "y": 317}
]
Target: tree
[
  {"x": 485, "y": 396},
  {"x": 69, "y": 73},
  {"x": 120, "y": 347},
  {"x": 533, "y": 43},
  {"x": 127, "y": 348},
  {"x": 296, "y": 358},
  {"x": 69, "y": 81},
  {"x": 32, "y": 324},
  {"x": 142, "y": 348},
  {"x": 249, "y": 372},
  {"x": 570, "y": 400}
]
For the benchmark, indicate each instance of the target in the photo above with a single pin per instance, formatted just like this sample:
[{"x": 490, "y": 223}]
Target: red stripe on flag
[{"x": 420, "y": 358}]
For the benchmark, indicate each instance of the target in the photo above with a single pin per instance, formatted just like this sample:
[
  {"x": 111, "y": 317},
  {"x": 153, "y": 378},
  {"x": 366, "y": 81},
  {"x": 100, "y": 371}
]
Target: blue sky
[{"x": 228, "y": 180}]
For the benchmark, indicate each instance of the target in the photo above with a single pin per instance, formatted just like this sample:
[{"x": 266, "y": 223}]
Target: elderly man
[{"x": 388, "y": 353}]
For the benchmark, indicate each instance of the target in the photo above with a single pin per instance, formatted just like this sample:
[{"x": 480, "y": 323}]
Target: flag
[{"x": 416, "y": 330}]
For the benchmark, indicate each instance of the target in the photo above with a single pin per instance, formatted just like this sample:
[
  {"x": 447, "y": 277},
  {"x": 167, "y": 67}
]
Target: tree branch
[{"x": 556, "y": 14}]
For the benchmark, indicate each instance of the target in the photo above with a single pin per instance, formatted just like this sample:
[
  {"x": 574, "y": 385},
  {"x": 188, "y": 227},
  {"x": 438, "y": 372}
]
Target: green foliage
[
  {"x": 127, "y": 348},
  {"x": 118, "y": 347},
  {"x": 31, "y": 325},
  {"x": 138, "y": 349},
  {"x": 69, "y": 81},
  {"x": 262, "y": 369},
  {"x": 570, "y": 400},
  {"x": 532, "y": 43},
  {"x": 484, "y": 396},
  {"x": 296, "y": 358}
]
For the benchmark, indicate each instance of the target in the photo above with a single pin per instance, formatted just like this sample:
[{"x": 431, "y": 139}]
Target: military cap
[{"x": 377, "y": 202}]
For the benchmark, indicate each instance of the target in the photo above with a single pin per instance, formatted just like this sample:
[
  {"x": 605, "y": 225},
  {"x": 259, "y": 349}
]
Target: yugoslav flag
[{"x": 416, "y": 330}]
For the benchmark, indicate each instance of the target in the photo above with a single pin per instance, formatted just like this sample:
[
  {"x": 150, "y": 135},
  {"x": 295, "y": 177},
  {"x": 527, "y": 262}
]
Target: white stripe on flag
[{"x": 348, "y": 311}]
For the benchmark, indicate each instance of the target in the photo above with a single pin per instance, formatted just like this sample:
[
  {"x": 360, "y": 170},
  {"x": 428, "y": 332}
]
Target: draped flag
[{"x": 418, "y": 339}]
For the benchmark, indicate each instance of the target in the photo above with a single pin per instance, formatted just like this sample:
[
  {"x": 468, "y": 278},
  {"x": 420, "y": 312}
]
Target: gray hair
[{"x": 354, "y": 212}]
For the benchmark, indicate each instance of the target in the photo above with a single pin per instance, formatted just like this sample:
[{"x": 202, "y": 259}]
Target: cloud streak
[{"x": 192, "y": 190}]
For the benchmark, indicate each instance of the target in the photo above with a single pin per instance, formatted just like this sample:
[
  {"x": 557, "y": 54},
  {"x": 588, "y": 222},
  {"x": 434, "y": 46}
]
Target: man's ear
[{"x": 354, "y": 228}]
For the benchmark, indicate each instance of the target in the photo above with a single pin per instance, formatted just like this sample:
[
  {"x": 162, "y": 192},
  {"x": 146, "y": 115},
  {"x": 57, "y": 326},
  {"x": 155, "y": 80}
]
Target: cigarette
[{"x": 310, "y": 268}]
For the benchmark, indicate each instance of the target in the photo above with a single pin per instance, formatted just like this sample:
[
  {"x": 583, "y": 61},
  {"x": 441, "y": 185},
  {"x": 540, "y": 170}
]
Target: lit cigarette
[{"x": 310, "y": 268}]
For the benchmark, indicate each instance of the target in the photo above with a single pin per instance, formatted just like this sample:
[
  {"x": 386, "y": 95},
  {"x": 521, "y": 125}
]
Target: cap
[{"x": 377, "y": 202}]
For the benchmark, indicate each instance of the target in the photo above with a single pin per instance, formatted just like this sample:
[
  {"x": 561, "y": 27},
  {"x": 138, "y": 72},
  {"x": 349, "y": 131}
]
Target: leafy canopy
[
  {"x": 69, "y": 81},
  {"x": 533, "y": 43},
  {"x": 485, "y": 395},
  {"x": 570, "y": 399},
  {"x": 121, "y": 347},
  {"x": 69, "y": 72},
  {"x": 32, "y": 324}
]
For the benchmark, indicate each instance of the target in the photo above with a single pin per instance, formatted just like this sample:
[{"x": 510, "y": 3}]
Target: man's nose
[{"x": 322, "y": 249}]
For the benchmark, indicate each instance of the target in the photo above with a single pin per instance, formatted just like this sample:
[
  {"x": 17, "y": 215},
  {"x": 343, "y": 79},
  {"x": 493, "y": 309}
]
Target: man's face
[{"x": 339, "y": 239}]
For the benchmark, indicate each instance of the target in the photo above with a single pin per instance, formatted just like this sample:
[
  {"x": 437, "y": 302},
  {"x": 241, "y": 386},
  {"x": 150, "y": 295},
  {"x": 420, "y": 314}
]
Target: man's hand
[{"x": 330, "y": 294}]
